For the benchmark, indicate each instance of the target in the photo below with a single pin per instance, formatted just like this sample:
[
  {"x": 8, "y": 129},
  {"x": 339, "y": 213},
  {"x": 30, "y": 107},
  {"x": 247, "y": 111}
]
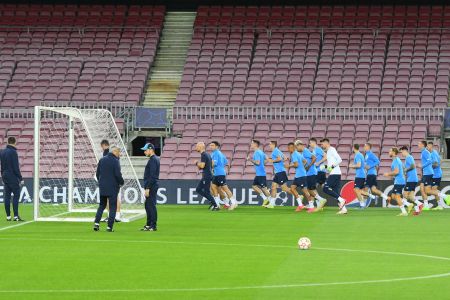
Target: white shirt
[{"x": 333, "y": 159}]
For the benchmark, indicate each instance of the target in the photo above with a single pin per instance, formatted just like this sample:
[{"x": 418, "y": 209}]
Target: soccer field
[{"x": 250, "y": 253}]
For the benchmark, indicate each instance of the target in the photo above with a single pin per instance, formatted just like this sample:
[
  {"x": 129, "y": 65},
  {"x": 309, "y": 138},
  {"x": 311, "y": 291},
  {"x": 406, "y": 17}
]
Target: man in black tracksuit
[
  {"x": 204, "y": 186},
  {"x": 12, "y": 178},
  {"x": 151, "y": 185},
  {"x": 110, "y": 180}
]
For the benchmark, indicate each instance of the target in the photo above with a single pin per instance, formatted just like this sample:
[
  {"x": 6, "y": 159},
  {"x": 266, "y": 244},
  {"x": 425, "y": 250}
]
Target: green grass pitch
[{"x": 250, "y": 253}]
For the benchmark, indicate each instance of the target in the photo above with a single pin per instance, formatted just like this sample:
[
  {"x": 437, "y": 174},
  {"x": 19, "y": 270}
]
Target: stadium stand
[
  {"x": 76, "y": 54},
  {"x": 311, "y": 57}
]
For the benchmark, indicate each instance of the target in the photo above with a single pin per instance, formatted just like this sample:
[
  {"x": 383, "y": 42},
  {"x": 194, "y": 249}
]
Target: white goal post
[{"x": 66, "y": 153}]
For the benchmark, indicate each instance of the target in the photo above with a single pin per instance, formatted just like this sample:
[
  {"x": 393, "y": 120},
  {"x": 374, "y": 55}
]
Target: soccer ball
[{"x": 304, "y": 243}]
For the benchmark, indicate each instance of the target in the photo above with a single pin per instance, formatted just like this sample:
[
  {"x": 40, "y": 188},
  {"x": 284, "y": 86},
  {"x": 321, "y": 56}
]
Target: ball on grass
[{"x": 304, "y": 243}]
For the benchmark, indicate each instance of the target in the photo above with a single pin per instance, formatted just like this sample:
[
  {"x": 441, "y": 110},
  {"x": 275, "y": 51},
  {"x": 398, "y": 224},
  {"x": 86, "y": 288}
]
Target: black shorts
[
  {"x": 219, "y": 180},
  {"x": 300, "y": 182},
  {"x": 359, "y": 183},
  {"x": 311, "y": 182},
  {"x": 321, "y": 177},
  {"x": 260, "y": 181},
  {"x": 427, "y": 180},
  {"x": 371, "y": 180},
  {"x": 410, "y": 186},
  {"x": 280, "y": 178},
  {"x": 436, "y": 182},
  {"x": 398, "y": 189}
]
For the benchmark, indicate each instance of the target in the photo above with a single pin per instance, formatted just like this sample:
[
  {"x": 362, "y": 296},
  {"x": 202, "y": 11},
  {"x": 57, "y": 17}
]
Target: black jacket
[
  {"x": 151, "y": 174},
  {"x": 109, "y": 175},
  {"x": 10, "y": 165}
]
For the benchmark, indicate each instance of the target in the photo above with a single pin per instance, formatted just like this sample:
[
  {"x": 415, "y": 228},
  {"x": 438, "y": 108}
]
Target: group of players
[{"x": 311, "y": 163}]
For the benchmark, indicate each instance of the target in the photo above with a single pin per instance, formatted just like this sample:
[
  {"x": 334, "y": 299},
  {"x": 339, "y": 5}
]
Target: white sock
[
  {"x": 232, "y": 200},
  {"x": 263, "y": 196},
  {"x": 341, "y": 199},
  {"x": 417, "y": 202},
  {"x": 344, "y": 209},
  {"x": 362, "y": 203},
  {"x": 118, "y": 215},
  {"x": 311, "y": 204},
  {"x": 405, "y": 202},
  {"x": 425, "y": 202},
  {"x": 272, "y": 201},
  {"x": 384, "y": 196},
  {"x": 402, "y": 208},
  {"x": 318, "y": 197},
  {"x": 299, "y": 201},
  {"x": 217, "y": 200},
  {"x": 371, "y": 196}
]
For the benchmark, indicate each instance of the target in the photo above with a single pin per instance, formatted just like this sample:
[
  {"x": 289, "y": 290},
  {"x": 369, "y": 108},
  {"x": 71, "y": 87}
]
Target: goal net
[{"x": 66, "y": 153}]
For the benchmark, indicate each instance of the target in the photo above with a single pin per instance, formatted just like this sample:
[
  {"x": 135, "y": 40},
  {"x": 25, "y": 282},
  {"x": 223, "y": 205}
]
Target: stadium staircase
[{"x": 165, "y": 77}]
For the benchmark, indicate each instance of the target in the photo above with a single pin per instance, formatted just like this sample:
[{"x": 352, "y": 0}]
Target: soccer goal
[{"x": 66, "y": 152}]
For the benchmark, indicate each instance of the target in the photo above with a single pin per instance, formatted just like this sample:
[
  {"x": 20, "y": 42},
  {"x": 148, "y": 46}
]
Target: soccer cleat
[
  {"x": 265, "y": 203},
  {"x": 104, "y": 220},
  {"x": 447, "y": 199},
  {"x": 425, "y": 208},
  {"x": 410, "y": 208},
  {"x": 233, "y": 206},
  {"x": 270, "y": 206},
  {"x": 311, "y": 210},
  {"x": 299, "y": 208},
  {"x": 438, "y": 208},
  {"x": 8, "y": 219},
  {"x": 18, "y": 219},
  {"x": 226, "y": 206},
  {"x": 321, "y": 205},
  {"x": 342, "y": 212},
  {"x": 416, "y": 213},
  {"x": 214, "y": 208},
  {"x": 148, "y": 228},
  {"x": 403, "y": 214},
  {"x": 96, "y": 227},
  {"x": 118, "y": 220},
  {"x": 109, "y": 229}
]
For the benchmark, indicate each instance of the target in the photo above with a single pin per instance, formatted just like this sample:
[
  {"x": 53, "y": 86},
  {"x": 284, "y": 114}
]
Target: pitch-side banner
[{"x": 182, "y": 192}]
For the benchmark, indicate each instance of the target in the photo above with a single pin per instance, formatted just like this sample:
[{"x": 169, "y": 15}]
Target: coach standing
[
  {"x": 151, "y": 185},
  {"x": 12, "y": 178},
  {"x": 110, "y": 180}
]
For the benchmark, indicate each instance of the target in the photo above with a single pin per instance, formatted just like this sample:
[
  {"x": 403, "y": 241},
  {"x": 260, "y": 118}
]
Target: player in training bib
[
  {"x": 298, "y": 162},
  {"x": 411, "y": 181},
  {"x": 333, "y": 183},
  {"x": 399, "y": 180},
  {"x": 260, "y": 181},
  {"x": 280, "y": 178}
]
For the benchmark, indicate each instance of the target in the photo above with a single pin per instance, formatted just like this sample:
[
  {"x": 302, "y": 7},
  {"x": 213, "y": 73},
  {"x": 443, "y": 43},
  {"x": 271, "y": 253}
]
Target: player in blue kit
[
  {"x": 371, "y": 164},
  {"x": 298, "y": 162},
  {"x": 437, "y": 176},
  {"x": 321, "y": 158},
  {"x": 360, "y": 175},
  {"x": 280, "y": 178},
  {"x": 411, "y": 181},
  {"x": 260, "y": 181},
  {"x": 311, "y": 175},
  {"x": 219, "y": 181},
  {"x": 399, "y": 180},
  {"x": 427, "y": 175}
]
